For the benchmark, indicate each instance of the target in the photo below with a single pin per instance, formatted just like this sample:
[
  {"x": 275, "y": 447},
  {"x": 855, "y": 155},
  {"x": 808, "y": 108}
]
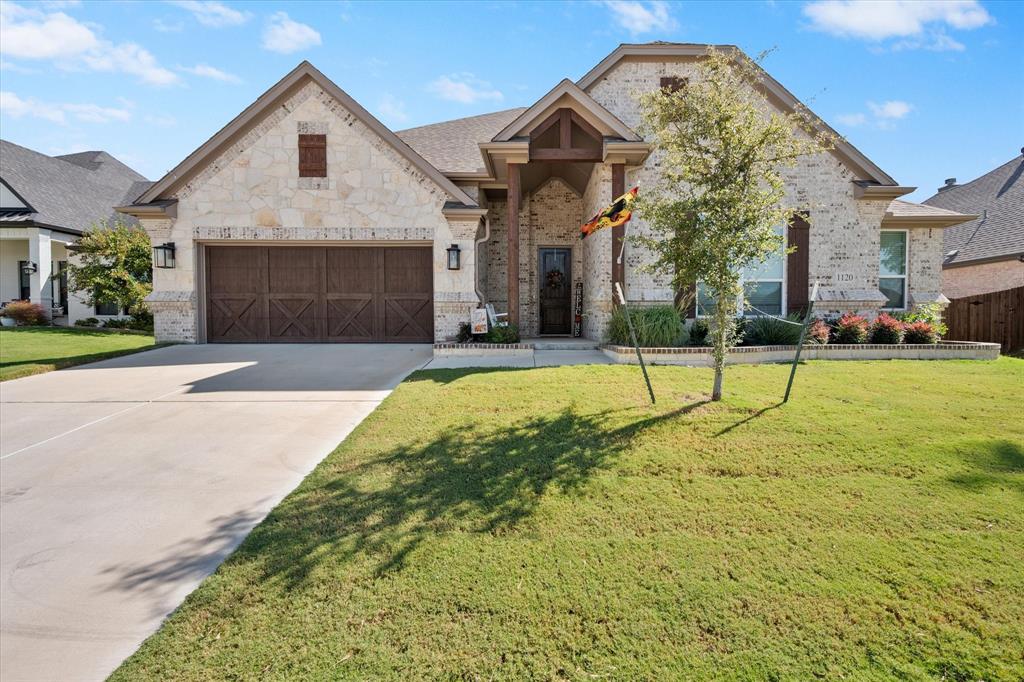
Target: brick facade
[{"x": 982, "y": 278}]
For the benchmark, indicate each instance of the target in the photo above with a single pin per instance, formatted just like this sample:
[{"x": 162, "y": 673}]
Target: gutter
[{"x": 476, "y": 256}]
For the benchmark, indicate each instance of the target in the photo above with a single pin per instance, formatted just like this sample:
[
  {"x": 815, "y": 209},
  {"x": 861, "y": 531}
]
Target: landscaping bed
[
  {"x": 33, "y": 350},
  {"x": 551, "y": 524}
]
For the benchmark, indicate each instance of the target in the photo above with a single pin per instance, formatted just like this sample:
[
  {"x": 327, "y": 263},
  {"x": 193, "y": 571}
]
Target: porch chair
[{"x": 495, "y": 318}]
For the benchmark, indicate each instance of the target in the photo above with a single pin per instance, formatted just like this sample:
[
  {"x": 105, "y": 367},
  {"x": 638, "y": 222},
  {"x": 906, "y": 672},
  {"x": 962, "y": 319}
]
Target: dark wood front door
[
  {"x": 555, "y": 291},
  {"x": 297, "y": 294}
]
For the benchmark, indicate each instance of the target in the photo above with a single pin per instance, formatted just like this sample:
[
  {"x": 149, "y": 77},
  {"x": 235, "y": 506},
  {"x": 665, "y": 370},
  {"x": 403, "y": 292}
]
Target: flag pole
[
  {"x": 800, "y": 344},
  {"x": 632, "y": 335}
]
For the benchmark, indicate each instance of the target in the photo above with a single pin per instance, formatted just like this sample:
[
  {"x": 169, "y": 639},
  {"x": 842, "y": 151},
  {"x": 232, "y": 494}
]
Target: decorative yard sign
[
  {"x": 478, "y": 321},
  {"x": 577, "y": 320}
]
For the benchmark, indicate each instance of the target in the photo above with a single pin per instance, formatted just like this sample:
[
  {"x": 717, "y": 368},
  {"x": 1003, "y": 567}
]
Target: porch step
[{"x": 563, "y": 344}]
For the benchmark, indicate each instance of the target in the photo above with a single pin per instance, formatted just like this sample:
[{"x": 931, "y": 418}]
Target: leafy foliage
[
  {"x": 721, "y": 193},
  {"x": 919, "y": 332},
  {"x": 114, "y": 264},
  {"x": 141, "y": 320},
  {"x": 850, "y": 328},
  {"x": 465, "y": 333},
  {"x": 767, "y": 331},
  {"x": 927, "y": 312},
  {"x": 25, "y": 313},
  {"x": 699, "y": 332},
  {"x": 507, "y": 333},
  {"x": 87, "y": 322},
  {"x": 818, "y": 332},
  {"x": 886, "y": 329},
  {"x": 656, "y": 326}
]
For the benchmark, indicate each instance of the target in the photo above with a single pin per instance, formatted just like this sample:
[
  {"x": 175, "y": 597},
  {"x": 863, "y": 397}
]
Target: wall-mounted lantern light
[
  {"x": 453, "y": 257},
  {"x": 29, "y": 268},
  {"x": 163, "y": 255}
]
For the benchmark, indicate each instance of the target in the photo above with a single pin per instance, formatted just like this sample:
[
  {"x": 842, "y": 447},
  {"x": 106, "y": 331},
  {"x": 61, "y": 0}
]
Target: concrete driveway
[{"x": 126, "y": 482}]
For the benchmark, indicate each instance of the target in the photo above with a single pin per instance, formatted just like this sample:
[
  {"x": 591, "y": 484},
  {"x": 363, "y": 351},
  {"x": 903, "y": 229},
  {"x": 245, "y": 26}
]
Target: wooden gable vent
[{"x": 312, "y": 156}]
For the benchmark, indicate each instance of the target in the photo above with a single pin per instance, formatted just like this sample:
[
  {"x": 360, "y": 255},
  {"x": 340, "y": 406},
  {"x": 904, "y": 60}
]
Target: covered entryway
[{"x": 303, "y": 294}]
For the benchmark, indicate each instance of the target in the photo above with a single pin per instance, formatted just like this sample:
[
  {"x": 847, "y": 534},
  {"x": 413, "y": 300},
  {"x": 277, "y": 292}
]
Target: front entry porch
[{"x": 33, "y": 263}]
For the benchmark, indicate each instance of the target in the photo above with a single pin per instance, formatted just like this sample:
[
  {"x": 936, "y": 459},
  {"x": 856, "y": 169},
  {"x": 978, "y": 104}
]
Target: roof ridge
[
  {"x": 462, "y": 118},
  {"x": 945, "y": 192}
]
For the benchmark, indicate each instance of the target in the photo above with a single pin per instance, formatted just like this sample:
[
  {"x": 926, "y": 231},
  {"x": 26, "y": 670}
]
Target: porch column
[
  {"x": 618, "y": 233},
  {"x": 513, "y": 242},
  {"x": 39, "y": 281}
]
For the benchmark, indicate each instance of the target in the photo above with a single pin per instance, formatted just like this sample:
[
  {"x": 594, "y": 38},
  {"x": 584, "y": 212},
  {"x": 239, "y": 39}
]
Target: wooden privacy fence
[{"x": 997, "y": 317}]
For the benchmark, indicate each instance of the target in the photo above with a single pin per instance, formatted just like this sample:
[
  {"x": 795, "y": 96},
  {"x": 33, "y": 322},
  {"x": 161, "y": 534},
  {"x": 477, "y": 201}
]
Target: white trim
[
  {"x": 906, "y": 269},
  {"x": 783, "y": 302}
]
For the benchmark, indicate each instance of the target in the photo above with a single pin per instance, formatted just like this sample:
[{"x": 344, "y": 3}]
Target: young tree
[
  {"x": 720, "y": 195},
  {"x": 114, "y": 264}
]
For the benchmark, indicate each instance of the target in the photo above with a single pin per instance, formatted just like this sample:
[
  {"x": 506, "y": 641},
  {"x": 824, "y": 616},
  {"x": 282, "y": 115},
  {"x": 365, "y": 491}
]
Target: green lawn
[
  {"x": 550, "y": 524},
  {"x": 33, "y": 350}
]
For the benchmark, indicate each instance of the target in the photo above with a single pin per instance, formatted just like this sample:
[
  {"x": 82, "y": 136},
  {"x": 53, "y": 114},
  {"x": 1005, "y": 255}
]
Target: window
[
  {"x": 763, "y": 284},
  {"x": 105, "y": 308},
  {"x": 312, "y": 156},
  {"x": 24, "y": 281},
  {"x": 892, "y": 269}
]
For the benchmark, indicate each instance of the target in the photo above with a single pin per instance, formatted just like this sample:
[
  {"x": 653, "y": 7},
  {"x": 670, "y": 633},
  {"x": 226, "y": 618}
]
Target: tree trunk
[{"x": 720, "y": 340}]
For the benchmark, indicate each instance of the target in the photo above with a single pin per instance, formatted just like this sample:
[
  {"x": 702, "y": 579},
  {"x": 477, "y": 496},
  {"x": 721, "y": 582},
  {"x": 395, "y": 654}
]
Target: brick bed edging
[
  {"x": 483, "y": 349},
  {"x": 701, "y": 357}
]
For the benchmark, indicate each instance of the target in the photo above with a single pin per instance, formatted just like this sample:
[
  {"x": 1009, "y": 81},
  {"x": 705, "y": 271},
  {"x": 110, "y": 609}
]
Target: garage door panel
[{"x": 292, "y": 294}]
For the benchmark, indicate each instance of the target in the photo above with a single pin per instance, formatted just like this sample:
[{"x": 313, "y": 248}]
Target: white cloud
[
  {"x": 892, "y": 110},
  {"x": 464, "y": 88},
  {"x": 161, "y": 120},
  {"x": 881, "y": 19},
  {"x": 284, "y": 35},
  {"x": 14, "y": 106},
  {"x": 212, "y": 14},
  {"x": 852, "y": 120},
  {"x": 392, "y": 109},
  {"x": 168, "y": 26},
  {"x": 639, "y": 17},
  {"x": 32, "y": 34},
  {"x": 935, "y": 42},
  {"x": 207, "y": 71}
]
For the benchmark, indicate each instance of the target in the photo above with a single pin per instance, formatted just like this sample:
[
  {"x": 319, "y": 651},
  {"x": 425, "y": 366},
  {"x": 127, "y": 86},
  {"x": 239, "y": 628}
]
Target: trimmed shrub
[
  {"x": 818, "y": 332},
  {"x": 25, "y": 313},
  {"x": 465, "y": 334},
  {"x": 886, "y": 329},
  {"x": 656, "y": 326},
  {"x": 699, "y": 332},
  {"x": 919, "y": 332},
  {"x": 139, "y": 321},
  {"x": 504, "y": 334},
  {"x": 927, "y": 312},
  {"x": 768, "y": 331},
  {"x": 850, "y": 328},
  {"x": 87, "y": 322}
]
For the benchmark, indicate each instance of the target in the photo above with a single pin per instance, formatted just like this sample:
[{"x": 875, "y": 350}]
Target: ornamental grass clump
[
  {"x": 886, "y": 329},
  {"x": 850, "y": 328},
  {"x": 769, "y": 331},
  {"x": 919, "y": 332},
  {"x": 25, "y": 313},
  {"x": 657, "y": 326}
]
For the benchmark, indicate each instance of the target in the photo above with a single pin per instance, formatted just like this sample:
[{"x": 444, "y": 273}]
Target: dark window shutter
[
  {"x": 798, "y": 265},
  {"x": 672, "y": 83},
  {"x": 312, "y": 156},
  {"x": 688, "y": 294}
]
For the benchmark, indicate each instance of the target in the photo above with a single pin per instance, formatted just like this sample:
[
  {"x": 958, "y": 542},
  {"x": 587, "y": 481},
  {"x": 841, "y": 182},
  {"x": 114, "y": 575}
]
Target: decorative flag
[{"x": 617, "y": 214}]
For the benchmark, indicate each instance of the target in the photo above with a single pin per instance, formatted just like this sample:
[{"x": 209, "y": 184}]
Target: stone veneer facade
[{"x": 252, "y": 192}]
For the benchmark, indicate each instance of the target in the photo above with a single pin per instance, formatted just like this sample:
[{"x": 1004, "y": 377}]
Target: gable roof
[
  {"x": 266, "y": 103},
  {"x": 771, "y": 88},
  {"x": 453, "y": 146},
  {"x": 901, "y": 213},
  {"x": 66, "y": 195},
  {"x": 587, "y": 104},
  {"x": 997, "y": 201}
]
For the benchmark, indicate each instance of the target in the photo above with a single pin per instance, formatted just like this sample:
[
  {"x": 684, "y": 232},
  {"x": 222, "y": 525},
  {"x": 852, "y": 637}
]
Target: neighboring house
[
  {"x": 46, "y": 203},
  {"x": 985, "y": 254},
  {"x": 306, "y": 219}
]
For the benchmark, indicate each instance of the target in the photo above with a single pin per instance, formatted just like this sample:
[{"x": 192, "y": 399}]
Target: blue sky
[{"x": 927, "y": 90}]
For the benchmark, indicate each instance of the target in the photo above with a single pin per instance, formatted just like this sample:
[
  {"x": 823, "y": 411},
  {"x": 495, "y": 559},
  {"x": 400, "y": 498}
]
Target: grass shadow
[
  {"x": 751, "y": 418},
  {"x": 993, "y": 463}
]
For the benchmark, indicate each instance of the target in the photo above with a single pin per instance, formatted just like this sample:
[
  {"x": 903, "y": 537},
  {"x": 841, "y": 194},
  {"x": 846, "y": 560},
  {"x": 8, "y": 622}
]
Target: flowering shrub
[
  {"x": 25, "y": 313},
  {"x": 850, "y": 328},
  {"x": 886, "y": 329},
  {"x": 919, "y": 332},
  {"x": 818, "y": 332},
  {"x": 927, "y": 312}
]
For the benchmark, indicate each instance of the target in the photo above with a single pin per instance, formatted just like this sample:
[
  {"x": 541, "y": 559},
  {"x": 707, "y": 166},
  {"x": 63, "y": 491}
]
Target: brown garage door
[{"x": 301, "y": 294}]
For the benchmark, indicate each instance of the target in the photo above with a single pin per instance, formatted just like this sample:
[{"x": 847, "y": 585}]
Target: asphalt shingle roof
[
  {"x": 908, "y": 209},
  {"x": 72, "y": 192},
  {"x": 997, "y": 198},
  {"x": 451, "y": 146}
]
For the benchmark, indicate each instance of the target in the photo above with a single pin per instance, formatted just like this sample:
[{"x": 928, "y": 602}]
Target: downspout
[{"x": 476, "y": 256}]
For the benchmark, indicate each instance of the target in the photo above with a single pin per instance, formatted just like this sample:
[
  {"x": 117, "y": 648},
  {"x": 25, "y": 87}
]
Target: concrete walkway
[
  {"x": 126, "y": 482},
  {"x": 539, "y": 358}
]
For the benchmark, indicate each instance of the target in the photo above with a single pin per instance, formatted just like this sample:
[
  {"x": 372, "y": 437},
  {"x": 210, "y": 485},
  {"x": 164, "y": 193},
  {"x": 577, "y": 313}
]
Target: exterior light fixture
[
  {"x": 453, "y": 257},
  {"x": 163, "y": 255},
  {"x": 29, "y": 268}
]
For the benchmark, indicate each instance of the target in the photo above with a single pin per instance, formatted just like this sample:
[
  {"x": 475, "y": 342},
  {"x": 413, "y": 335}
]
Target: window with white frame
[
  {"x": 892, "y": 269},
  {"x": 763, "y": 286}
]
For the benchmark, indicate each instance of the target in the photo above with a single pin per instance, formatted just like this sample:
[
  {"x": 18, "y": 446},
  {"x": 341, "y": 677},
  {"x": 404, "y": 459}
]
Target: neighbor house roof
[
  {"x": 453, "y": 146},
  {"x": 258, "y": 110},
  {"x": 69, "y": 194},
  {"x": 997, "y": 201}
]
